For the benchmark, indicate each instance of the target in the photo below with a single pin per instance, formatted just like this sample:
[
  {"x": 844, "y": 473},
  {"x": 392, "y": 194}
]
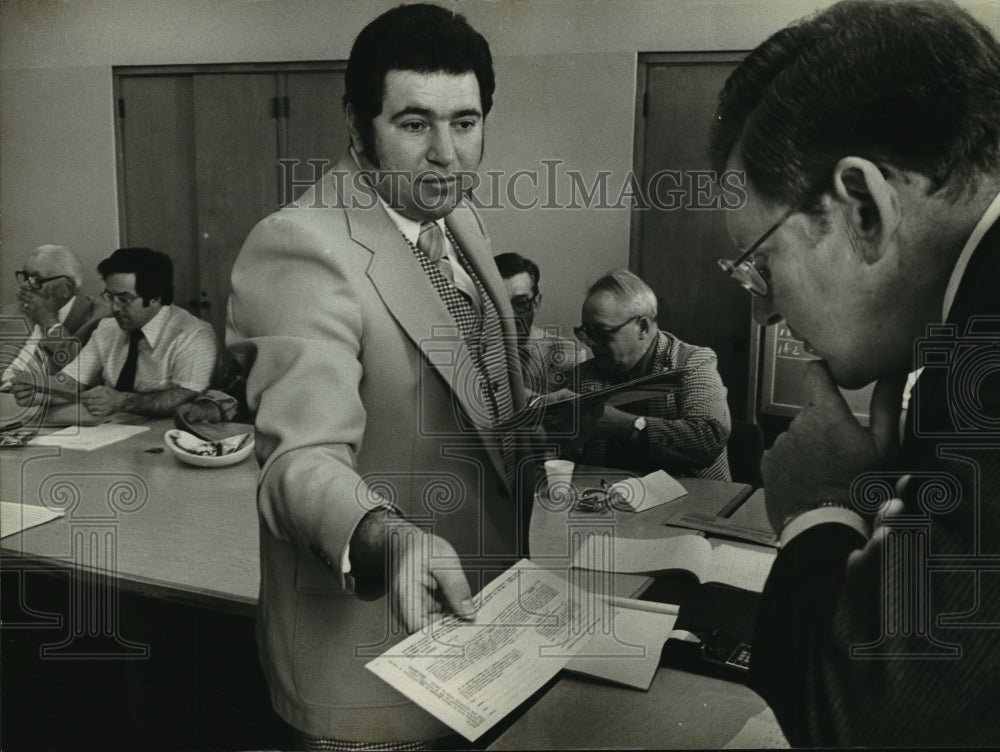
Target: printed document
[{"x": 471, "y": 674}]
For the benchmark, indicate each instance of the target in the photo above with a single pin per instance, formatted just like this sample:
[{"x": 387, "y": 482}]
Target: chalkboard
[{"x": 783, "y": 389}]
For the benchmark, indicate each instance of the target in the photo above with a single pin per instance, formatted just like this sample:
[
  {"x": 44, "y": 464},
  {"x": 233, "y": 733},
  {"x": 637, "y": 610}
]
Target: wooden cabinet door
[
  {"x": 157, "y": 196},
  {"x": 235, "y": 174},
  {"x": 675, "y": 249}
]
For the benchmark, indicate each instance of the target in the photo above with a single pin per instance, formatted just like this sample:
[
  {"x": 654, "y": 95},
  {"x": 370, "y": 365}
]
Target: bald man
[{"x": 56, "y": 319}]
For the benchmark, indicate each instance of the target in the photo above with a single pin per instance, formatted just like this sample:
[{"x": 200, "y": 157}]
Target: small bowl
[{"x": 184, "y": 446}]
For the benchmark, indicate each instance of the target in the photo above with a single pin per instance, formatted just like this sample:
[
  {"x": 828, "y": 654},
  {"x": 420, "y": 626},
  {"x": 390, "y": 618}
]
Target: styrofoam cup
[{"x": 559, "y": 475}]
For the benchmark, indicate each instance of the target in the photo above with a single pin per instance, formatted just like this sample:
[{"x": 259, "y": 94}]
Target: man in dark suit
[
  {"x": 55, "y": 319},
  {"x": 870, "y": 140},
  {"x": 381, "y": 351}
]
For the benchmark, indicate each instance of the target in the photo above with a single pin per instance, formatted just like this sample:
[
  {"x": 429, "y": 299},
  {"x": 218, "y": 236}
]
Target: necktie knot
[{"x": 431, "y": 241}]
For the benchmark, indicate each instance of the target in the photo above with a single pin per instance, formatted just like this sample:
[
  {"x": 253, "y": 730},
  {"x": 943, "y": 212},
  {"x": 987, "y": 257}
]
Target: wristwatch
[{"x": 638, "y": 426}]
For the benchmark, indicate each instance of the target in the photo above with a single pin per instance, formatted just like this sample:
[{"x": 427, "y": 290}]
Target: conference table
[
  {"x": 134, "y": 512},
  {"x": 136, "y": 517}
]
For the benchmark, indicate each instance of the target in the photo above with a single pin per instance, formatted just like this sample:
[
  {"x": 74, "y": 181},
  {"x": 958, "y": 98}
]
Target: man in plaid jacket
[{"x": 684, "y": 431}]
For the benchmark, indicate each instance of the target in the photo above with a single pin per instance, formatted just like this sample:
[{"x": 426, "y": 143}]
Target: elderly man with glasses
[
  {"x": 152, "y": 357},
  {"x": 684, "y": 431},
  {"x": 53, "y": 318},
  {"x": 547, "y": 360}
]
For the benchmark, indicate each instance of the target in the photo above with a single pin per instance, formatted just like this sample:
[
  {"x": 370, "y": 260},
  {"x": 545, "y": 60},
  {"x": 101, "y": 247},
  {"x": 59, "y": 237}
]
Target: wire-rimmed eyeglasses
[{"x": 744, "y": 270}]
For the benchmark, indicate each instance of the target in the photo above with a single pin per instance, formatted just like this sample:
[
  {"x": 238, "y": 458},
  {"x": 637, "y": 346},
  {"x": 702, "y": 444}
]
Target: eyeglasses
[
  {"x": 121, "y": 299},
  {"x": 745, "y": 271},
  {"x": 33, "y": 281},
  {"x": 599, "y": 336},
  {"x": 524, "y": 304}
]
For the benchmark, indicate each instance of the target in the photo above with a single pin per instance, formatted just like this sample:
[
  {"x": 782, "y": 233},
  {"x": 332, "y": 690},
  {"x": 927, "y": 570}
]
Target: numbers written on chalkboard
[{"x": 786, "y": 346}]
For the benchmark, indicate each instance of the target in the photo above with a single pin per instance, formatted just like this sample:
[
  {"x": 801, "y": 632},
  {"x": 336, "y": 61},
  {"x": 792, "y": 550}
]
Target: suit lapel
[
  {"x": 930, "y": 410},
  {"x": 409, "y": 294},
  {"x": 464, "y": 225}
]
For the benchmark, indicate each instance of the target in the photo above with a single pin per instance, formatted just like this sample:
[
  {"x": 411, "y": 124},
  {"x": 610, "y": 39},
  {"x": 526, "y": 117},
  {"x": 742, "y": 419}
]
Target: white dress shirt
[
  {"x": 26, "y": 359},
  {"x": 176, "y": 350}
]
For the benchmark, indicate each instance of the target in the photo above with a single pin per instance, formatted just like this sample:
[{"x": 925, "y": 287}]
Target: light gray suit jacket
[{"x": 360, "y": 385}]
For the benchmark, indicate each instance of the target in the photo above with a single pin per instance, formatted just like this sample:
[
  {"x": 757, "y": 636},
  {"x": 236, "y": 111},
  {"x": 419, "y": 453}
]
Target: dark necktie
[{"x": 126, "y": 377}]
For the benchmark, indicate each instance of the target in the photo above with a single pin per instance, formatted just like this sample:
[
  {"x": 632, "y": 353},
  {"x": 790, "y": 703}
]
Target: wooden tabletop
[{"x": 160, "y": 526}]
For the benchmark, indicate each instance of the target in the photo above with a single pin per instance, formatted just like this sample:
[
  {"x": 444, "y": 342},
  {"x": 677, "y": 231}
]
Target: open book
[
  {"x": 642, "y": 388},
  {"x": 740, "y": 565}
]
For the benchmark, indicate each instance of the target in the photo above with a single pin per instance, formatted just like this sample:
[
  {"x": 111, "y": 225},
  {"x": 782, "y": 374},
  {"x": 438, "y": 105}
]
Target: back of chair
[{"x": 746, "y": 448}]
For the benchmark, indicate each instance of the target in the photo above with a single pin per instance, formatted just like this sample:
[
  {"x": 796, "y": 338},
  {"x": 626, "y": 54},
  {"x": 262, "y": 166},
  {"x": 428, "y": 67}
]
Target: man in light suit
[
  {"x": 55, "y": 319},
  {"x": 870, "y": 140},
  {"x": 380, "y": 351}
]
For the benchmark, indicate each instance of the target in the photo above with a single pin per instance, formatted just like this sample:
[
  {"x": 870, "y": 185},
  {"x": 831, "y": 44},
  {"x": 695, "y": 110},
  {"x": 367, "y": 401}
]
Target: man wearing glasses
[
  {"x": 869, "y": 136},
  {"x": 152, "y": 357},
  {"x": 547, "y": 360},
  {"x": 59, "y": 318},
  {"x": 683, "y": 432}
]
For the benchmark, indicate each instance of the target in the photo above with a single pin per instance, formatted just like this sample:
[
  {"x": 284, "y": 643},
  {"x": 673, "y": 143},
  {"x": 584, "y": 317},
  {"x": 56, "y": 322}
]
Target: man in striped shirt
[{"x": 149, "y": 358}]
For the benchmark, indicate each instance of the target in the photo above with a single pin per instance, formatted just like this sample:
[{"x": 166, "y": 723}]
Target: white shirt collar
[
  {"x": 990, "y": 216},
  {"x": 154, "y": 327},
  {"x": 63, "y": 312},
  {"x": 409, "y": 227}
]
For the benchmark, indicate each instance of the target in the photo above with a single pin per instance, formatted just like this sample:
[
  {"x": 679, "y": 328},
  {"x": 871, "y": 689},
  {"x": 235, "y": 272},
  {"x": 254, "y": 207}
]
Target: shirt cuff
[
  {"x": 821, "y": 516},
  {"x": 347, "y": 579}
]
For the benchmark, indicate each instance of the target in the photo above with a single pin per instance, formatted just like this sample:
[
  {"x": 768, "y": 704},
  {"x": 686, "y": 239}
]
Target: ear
[
  {"x": 67, "y": 287},
  {"x": 644, "y": 327},
  {"x": 870, "y": 204}
]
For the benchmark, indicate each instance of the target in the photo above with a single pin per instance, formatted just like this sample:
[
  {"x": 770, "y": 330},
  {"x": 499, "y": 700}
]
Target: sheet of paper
[
  {"x": 647, "y": 492},
  {"x": 87, "y": 438},
  {"x": 15, "y": 517},
  {"x": 741, "y": 565},
  {"x": 627, "y": 647},
  {"x": 608, "y": 553},
  {"x": 470, "y": 675},
  {"x": 759, "y": 732}
]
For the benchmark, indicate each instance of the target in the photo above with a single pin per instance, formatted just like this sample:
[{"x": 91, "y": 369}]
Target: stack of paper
[
  {"x": 88, "y": 438},
  {"x": 15, "y": 517}
]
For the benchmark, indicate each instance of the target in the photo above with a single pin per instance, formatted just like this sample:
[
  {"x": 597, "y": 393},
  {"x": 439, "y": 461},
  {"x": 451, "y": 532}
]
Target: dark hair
[
  {"x": 154, "y": 272},
  {"x": 915, "y": 85},
  {"x": 424, "y": 38},
  {"x": 512, "y": 264}
]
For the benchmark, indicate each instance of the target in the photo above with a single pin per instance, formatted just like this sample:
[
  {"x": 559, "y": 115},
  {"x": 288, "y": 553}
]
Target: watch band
[{"x": 638, "y": 426}]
